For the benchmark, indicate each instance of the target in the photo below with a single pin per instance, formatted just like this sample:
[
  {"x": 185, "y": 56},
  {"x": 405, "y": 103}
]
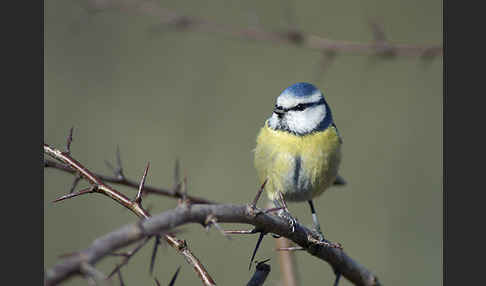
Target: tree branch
[
  {"x": 129, "y": 183},
  {"x": 224, "y": 213},
  {"x": 135, "y": 206},
  {"x": 294, "y": 37}
]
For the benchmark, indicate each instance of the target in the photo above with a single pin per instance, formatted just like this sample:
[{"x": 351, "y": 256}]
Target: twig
[
  {"x": 135, "y": 206},
  {"x": 126, "y": 182},
  {"x": 225, "y": 213},
  {"x": 290, "y": 36}
]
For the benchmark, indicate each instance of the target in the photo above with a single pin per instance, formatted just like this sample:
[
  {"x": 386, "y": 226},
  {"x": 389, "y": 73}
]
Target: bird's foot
[
  {"x": 289, "y": 218},
  {"x": 317, "y": 228}
]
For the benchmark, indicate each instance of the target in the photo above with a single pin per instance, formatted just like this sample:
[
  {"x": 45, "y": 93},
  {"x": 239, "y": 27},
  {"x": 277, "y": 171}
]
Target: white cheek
[
  {"x": 273, "y": 121},
  {"x": 307, "y": 120}
]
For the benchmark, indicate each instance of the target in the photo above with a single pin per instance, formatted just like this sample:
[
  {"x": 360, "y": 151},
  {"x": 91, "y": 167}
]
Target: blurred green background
[{"x": 161, "y": 94}]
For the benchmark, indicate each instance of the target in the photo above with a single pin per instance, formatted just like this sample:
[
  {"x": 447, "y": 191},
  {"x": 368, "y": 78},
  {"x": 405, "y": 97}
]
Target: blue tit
[{"x": 299, "y": 148}]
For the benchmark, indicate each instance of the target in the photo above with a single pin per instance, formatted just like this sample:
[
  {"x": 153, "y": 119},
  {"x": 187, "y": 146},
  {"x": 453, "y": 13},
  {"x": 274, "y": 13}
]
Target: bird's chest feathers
[{"x": 299, "y": 166}]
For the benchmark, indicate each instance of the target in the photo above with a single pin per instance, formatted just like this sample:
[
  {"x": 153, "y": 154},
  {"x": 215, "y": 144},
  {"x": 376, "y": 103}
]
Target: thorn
[
  {"x": 378, "y": 31},
  {"x": 211, "y": 220},
  {"x": 294, "y": 248},
  {"x": 127, "y": 256},
  {"x": 138, "y": 198},
  {"x": 118, "y": 171},
  {"x": 110, "y": 166},
  {"x": 183, "y": 188},
  {"x": 272, "y": 210},
  {"x": 75, "y": 183},
  {"x": 154, "y": 254},
  {"x": 284, "y": 204},
  {"x": 120, "y": 278},
  {"x": 338, "y": 275},
  {"x": 174, "y": 277},
  {"x": 327, "y": 58},
  {"x": 295, "y": 36},
  {"x": 177, "y": 175},
  {"x": 90, "y": 271},
  {"x": 69, "y": 140},
  {"x": 259, "y": 193},
  {"x": 118, "y": 159},
  {"x": 71, "y": 195},
  {"x": 262, "y": 262},
  {"x": 260, "y": 238}
]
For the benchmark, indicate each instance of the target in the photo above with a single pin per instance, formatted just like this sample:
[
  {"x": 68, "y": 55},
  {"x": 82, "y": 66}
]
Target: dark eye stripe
[{"x": 302, "y": 106}]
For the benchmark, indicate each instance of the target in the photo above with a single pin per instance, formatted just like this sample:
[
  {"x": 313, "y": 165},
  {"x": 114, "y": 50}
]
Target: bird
[{"x": 298, "y": 150}]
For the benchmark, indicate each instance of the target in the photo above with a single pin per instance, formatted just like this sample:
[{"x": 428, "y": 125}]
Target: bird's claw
[
  {"x": 317, "y": 229},
  {"x": 289, "y": 218}
]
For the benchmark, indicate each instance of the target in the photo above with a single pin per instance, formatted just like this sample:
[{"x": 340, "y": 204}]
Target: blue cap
[{"x": 301, "y": 89}]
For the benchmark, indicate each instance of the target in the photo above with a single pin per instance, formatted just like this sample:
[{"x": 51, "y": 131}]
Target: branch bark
[
  {"x": 293, "y": 37},
  {"x": 129, "y": 183},
  {"x": 224, "y": 213},
  {"x": 134, "y": 205}
]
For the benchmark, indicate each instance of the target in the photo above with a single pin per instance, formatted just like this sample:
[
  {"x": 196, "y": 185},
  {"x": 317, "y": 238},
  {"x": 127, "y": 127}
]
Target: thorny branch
[
  {"x": 134, "y": 205},
  {"x": 175, "y": 193},
  {"x": 292, "y": 36},
  {"x": 224, "y": 213},
  {"x": 204, "y": 214}
]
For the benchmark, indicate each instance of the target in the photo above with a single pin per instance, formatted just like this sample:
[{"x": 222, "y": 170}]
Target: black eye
[{"x": 299, "y": 107}]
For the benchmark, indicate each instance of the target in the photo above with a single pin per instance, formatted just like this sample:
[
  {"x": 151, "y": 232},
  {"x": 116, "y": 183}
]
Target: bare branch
[
  {"x": 225, "y": 213},
  {"x": 100, "y": 187},
  {"x": 290, "y": 36},
  {"x": 130, "y": 183}
]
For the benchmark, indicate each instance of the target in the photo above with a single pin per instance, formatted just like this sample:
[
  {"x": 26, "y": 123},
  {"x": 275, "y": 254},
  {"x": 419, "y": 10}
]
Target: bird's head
[{"x": 300, "y": 109}]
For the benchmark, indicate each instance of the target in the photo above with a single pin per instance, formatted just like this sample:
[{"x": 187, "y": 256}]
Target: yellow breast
[{"x": 301, "y": 167}]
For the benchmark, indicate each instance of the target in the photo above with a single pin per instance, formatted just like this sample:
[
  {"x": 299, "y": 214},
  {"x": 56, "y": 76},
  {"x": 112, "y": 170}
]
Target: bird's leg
[
  {"x": 284, "y": 212},
  {"x": 315, "y": 222}
]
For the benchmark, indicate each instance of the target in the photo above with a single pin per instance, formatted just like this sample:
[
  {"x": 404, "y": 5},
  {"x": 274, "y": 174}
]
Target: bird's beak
[{"x": 279, "y": 111}]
